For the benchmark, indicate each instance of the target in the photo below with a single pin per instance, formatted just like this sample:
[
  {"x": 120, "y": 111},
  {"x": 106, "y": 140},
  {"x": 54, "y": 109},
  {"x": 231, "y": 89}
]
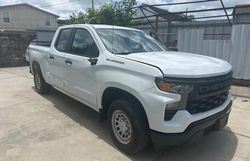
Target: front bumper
[{"x": 195, "y": 129}]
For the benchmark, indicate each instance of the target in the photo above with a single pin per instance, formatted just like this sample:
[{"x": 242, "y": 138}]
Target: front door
[{"x": 79, "y": 72}]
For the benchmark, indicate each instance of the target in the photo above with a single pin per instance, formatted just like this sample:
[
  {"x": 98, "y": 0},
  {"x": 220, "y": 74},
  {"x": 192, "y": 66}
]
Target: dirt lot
[{"x": 57, "y": 128}]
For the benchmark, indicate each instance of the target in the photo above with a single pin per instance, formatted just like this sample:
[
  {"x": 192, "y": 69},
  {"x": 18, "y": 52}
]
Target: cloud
[{"x": 64, "y": 8}]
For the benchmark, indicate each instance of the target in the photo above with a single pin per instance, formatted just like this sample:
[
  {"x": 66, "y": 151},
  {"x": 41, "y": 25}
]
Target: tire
[
  {"x": 41, "y": 86},
  {"x": 126, "y": 115}
]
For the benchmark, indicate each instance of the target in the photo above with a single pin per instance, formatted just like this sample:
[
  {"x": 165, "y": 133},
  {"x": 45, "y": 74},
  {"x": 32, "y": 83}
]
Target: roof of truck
[{"x": 105, "y": 26}]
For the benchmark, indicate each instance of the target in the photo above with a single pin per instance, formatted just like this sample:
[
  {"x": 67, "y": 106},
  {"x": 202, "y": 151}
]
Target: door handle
[
  {"x": 68, "y": 62},
  {"x": 93, "y": 61},
  {"x": 51, "y": 57}
]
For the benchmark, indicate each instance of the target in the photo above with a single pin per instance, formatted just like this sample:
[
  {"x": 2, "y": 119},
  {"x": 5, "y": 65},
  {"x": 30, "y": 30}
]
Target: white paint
[{"x": 135, "y": 74}]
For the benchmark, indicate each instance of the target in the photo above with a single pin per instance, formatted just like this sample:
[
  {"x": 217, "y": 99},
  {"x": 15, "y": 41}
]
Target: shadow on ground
[{"x": 217, "y": 146}]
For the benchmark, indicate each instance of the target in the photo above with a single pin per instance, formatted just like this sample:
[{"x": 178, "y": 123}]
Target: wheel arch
[
  {"x": 34, "y": 65},
  {"x": 111, "y": 93}
]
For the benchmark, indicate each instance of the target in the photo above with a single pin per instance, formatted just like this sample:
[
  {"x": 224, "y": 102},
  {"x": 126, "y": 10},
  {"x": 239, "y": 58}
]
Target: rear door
[
  {"x": 56, "y": 58},
  {"x": 79, "y": 71}
]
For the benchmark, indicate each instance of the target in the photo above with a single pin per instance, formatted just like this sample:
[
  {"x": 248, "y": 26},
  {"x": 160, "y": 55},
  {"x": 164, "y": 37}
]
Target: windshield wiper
[{"x": 123, "y": 53}]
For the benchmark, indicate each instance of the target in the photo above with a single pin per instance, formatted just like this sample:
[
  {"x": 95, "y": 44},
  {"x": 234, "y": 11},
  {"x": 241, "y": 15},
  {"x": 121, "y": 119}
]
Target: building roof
[
  {"x": 242, "y": 8},
  {"x": 242, "y": 5},
  {"x": 28, "y": 5}
]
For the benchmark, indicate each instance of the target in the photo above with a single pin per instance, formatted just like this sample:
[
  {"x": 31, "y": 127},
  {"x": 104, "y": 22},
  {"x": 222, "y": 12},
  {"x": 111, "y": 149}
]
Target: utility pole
[{"x": 93, "y": 8}]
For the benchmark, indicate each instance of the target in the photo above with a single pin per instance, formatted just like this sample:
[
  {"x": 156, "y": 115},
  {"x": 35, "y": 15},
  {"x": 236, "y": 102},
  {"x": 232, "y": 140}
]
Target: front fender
[{"x": 122, "y": 87}]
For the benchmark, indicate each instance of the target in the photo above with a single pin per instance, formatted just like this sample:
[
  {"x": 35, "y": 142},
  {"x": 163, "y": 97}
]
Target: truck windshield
[{"x": 124, "y": 41}]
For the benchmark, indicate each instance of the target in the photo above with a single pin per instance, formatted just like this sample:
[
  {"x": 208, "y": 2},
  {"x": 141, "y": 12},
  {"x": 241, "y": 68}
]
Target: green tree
[
  {"x": 114, "y": 13},
  {"x": 76, "y": 19}
]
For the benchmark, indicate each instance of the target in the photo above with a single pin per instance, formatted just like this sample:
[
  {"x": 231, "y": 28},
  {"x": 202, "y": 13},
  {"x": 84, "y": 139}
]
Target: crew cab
[{"x": 145, "y": 91}]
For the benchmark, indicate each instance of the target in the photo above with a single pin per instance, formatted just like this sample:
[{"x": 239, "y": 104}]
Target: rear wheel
[
  {"x": 41, "y": 86},
  {"x": 128, "y": 125}
]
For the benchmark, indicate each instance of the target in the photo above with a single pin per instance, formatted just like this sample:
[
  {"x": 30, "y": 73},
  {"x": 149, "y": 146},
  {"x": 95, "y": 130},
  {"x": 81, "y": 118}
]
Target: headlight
[{"x": 172, "y": 87}]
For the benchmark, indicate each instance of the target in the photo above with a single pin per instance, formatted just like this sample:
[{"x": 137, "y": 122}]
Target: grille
[
  {"x": 209, "y": 94},
  {"x": 207, "y": 103}
]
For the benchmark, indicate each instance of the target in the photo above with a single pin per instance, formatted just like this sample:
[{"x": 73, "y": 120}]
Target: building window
[
  {"x": 47, "y": 21},
  {"x": 6, "y": 17}
]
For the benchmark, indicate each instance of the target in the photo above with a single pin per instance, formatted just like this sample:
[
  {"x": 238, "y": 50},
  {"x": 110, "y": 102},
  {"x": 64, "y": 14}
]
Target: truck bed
[
  {"x": 41, "y": 43},
  {"x": 36, "y": 50}
]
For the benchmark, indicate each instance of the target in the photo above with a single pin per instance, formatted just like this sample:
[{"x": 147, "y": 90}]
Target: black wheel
[
  {"x": 128, "y": 125},
  {"x": 41, "y": 86}
]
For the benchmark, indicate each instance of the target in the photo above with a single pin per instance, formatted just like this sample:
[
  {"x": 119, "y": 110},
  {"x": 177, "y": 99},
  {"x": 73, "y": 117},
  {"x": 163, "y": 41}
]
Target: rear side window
[
  {"x": 63, "y": 40},
  {"x": 83, "y": 44}
]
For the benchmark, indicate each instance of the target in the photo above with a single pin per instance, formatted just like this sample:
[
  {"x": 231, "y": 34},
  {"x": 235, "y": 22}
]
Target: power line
[
  {"x": 180, "y": 3},
  {"x": 66, "y": 2},
  {"x": 45, "y": 6}
]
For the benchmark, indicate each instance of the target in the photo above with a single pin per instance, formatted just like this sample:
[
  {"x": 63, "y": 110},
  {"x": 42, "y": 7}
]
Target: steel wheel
[
  {"x": 128, "y": 125},
  {"x": 121, "y": 127}
]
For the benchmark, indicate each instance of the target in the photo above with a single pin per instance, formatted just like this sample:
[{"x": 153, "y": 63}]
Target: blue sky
[{"x": 64, "y": 8}]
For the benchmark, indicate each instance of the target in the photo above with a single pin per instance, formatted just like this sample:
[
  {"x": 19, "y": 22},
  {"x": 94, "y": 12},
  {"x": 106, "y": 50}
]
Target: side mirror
[{"x": 93, "y": 61}]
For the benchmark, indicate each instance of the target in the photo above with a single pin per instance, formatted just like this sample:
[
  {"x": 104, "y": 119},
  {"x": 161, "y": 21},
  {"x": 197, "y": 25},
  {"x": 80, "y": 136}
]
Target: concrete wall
[
  {"x": 13, "y": 46},
  {"x": 24, "y": 17}
]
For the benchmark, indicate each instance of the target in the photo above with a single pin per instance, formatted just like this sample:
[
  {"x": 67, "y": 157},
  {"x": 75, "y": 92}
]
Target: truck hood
[{"x": 182, "y": 65}]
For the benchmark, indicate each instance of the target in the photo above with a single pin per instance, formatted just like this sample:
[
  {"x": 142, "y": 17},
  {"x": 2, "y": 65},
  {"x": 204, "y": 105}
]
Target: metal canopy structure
[
  {"x": 167, "y": 16},
  {"x": 154, "y": 14}
]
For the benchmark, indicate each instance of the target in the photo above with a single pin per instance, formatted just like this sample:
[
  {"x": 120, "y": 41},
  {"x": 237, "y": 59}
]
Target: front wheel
[{"x": 128, "y": 125}]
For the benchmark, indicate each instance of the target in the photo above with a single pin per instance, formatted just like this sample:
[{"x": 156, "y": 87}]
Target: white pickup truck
[{"x": 146, "y": 92}]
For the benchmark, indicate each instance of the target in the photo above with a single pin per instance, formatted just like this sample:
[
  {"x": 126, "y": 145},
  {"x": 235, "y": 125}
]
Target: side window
[
  {"x": 63, "y": 40},
  {"x": 83, "y": 44}
]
